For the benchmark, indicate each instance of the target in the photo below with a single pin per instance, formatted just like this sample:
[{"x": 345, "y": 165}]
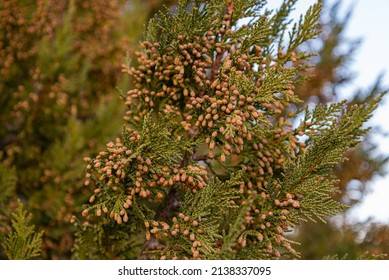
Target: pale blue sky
[{"x": 370, "y": 22}]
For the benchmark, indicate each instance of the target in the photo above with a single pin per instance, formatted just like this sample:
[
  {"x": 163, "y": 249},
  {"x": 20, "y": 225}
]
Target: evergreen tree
[{"x": 209, "y": 164}]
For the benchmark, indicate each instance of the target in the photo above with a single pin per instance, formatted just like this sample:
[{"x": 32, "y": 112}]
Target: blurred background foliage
[
  {"x": 59, "y": 69},
  {"x": 59, "y": 82}
]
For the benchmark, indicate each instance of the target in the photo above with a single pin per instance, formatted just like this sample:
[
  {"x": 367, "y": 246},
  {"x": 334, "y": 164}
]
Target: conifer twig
[
  {"x": 171, "y": 203},
  {"x": 219, "y": 56}
]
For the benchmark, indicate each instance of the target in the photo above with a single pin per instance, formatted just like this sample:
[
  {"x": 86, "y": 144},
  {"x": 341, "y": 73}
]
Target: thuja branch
[{"x": 212, "y": 174}]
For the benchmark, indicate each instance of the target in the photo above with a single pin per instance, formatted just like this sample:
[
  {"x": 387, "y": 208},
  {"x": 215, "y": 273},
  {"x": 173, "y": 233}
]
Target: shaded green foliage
[{"x": 23, "y": 242}]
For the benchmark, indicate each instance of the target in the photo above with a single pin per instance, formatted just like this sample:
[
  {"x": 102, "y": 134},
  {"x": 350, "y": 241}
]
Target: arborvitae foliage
[
  {"x": 23, "y": 242},
  {"x": 8, "y": 188},
  {"x": 209, "y": 165}
]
